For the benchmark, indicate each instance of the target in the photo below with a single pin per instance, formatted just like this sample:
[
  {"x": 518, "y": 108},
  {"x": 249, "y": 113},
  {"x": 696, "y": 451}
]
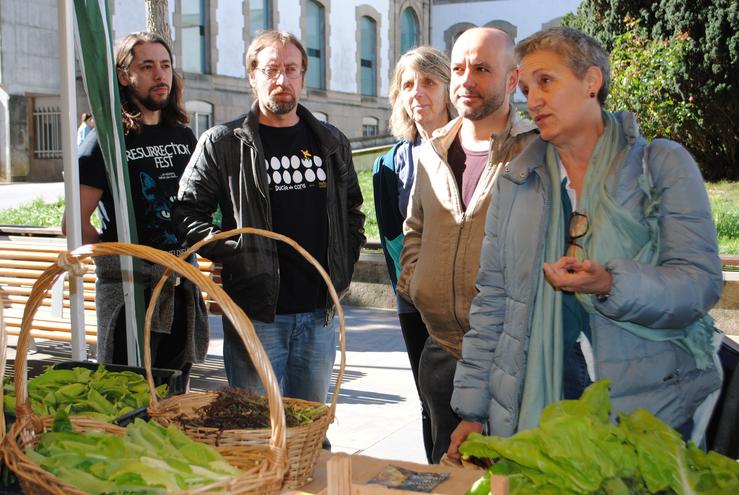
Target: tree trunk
[{"x": 157, "y": 15}]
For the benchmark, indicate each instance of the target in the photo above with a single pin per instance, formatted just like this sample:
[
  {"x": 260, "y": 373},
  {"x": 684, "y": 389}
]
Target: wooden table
[{"x": 364, "y": 468}]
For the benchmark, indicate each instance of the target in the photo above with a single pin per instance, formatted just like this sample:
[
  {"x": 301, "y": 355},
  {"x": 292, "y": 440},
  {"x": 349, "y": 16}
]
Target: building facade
[
  {"x": 352, "y": 47},
  {"x": 518, "y": 18}
]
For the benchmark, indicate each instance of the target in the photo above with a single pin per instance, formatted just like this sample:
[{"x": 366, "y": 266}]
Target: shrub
[
  {"x": 707, "y": 70},
  {"x": 644, "y": 82}
]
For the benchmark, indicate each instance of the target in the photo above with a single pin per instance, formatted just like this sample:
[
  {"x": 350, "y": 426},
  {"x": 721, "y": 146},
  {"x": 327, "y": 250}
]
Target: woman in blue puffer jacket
[{"x": 600, "y": 260}]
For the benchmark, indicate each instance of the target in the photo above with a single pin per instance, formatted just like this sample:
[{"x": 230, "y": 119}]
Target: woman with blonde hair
[{"x": 419, "y": 94}]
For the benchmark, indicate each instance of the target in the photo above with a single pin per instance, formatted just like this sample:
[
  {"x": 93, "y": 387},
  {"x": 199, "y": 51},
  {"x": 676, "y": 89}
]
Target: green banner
[{"x": 101, "y": 83}]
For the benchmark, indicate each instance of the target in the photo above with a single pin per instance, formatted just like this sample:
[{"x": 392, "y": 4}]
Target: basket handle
[
  {"x": 73, "y": 262},
  {"x": 264, "y": 233}
]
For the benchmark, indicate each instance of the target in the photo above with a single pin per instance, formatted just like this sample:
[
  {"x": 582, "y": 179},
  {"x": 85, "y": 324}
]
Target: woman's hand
[
  {"x": 570, "y": 275},
  {"x": 459, "y": 435}
]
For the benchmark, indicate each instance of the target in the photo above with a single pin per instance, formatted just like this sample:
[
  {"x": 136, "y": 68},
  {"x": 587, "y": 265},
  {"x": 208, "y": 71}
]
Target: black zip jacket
[{"x": 227, "y": 171}]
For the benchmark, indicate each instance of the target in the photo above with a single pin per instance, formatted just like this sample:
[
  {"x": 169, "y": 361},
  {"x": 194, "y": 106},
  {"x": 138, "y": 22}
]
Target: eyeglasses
[
  {"x": 273, "y": 72},
  {"x": 578, "y": 227}
]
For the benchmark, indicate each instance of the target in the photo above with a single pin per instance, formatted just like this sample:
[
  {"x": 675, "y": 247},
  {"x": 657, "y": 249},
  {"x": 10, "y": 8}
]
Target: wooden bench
[{"x": 23, "y": 259}]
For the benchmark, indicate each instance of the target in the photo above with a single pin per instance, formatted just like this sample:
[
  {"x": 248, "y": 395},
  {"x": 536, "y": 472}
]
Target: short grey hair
[
  {"x": 426, "y": 60},
  {"x": 579, "y": 51}
]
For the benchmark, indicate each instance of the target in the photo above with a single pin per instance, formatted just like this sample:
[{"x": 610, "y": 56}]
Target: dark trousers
[
  {"x": 436, "y": 383},
  {"x": 575, "y": 378},
  {"x": 167, "y": 349},
  {"x": 415, "y": 335}
]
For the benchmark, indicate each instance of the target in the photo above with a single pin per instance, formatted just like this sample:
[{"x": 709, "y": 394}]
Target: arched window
[
  {"x": 455, "y": 31},
  {"x": 408, "y": 30},
  {"x": 504, "y": 26},
  {"x": 201, "y": 116},
  {"x": 370, "y": 126},
  {"x": 315, "y": 45},
  {"x": 368, "y": 56}
]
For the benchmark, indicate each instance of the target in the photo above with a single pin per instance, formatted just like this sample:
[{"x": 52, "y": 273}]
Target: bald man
[{"x": 446, "y": 214}]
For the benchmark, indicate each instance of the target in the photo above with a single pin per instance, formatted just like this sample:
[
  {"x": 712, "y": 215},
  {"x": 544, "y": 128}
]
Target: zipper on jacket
[
  {"x": 673, "y": 375},
  {"x": 489, "y": 170},
  {"x": 328, "y": 314},
  {"x": 540, "y": 249},
  {"x": 255, "y": 174},
  {"x": 329, "y": 309},
  {"x": 454, "y": 271}
]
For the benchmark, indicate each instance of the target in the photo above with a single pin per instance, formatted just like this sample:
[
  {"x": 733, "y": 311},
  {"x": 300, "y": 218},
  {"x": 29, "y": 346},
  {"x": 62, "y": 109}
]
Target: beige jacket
[{"x": 441, "y": 249}]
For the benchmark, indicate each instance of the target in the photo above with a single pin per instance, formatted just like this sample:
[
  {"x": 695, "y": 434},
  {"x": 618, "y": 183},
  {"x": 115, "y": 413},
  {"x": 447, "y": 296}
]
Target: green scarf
[{"x": 613, "y": 234}]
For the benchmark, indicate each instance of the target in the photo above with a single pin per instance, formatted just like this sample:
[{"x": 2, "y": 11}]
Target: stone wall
[{"x": 371, "y": 287}]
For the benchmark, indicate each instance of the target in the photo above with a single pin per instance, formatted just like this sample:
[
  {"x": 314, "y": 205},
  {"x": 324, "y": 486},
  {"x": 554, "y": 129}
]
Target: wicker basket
[
  {"x": 303, "y": 442},
  {"x": 263, "y": 465}
]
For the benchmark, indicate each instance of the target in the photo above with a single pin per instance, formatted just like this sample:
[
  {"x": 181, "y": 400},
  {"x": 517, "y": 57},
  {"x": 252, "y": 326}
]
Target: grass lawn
[
  {"x": 724, "y": 198},
  {"x": 725, "y": 205},
  {"x": 368, "y": 207}
]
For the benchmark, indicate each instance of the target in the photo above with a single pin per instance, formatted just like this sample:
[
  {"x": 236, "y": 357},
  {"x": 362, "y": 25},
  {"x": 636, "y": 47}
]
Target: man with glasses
[{"x": 277, "y": 168}]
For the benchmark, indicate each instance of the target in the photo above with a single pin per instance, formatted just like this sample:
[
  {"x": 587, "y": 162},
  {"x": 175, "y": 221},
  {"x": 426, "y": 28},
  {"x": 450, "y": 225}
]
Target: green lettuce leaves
[
  {"x": 101, "y": 394},
  {"x": 148, "y": 459},
  {"x": 575, "y": 449}
]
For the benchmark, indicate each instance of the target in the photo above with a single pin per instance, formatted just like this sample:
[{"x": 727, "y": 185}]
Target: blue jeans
[{"x": 300, "y": 347}]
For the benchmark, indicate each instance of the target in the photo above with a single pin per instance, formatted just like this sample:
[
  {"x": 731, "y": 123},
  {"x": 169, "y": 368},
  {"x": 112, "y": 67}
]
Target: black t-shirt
[
  {"x": 157, "y": 157},
  {"x": 297, "y": 192}
]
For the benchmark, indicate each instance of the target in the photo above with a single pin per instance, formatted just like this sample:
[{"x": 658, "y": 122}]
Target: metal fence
[{"x": 47, "y": 122}]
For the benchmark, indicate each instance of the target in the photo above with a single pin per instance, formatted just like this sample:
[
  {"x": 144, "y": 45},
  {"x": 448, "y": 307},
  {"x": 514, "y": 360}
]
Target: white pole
[{"x": 71, "y": 172}]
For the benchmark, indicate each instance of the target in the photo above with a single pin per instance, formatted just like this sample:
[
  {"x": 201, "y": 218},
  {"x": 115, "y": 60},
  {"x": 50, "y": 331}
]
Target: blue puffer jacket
[{"x": 684, "y": 285}]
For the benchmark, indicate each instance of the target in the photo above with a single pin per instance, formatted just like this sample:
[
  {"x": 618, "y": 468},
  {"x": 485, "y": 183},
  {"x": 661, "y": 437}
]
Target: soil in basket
[{"x": 239, "y": 409}]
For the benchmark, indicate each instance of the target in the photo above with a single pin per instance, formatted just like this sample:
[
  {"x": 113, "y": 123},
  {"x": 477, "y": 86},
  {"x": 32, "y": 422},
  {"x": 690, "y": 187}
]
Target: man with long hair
[{"x": 158, "y": 147}]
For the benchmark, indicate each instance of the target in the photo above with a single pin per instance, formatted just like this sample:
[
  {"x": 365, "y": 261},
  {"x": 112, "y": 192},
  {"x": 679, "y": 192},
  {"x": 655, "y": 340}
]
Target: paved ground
[{"x": 378, "y": 413}]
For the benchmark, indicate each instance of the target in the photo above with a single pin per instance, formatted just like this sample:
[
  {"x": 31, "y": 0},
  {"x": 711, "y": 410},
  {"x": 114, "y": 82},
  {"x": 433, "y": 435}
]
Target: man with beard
[
  {"x": 158, "y": 147},
  {"x": 277, "y": 168},
  {"x": 446, "y": 214}
]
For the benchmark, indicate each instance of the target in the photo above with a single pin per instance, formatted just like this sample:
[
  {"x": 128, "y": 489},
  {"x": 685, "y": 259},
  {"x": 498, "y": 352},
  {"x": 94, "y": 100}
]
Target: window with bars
[
  {"x": 370, "y": 127},
  {"x": 201, "y": 116},
  {"x": 47, "y": 131}
]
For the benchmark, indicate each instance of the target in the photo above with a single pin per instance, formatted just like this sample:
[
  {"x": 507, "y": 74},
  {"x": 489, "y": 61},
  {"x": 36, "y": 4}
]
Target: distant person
[
  {"x": 600, "y": 260},
  {"x": 87, "y": 123},
  {"x": 419, "y": 95},
  {"x": 277, "y": 168},
  {"x": 158, "y": 147},
  {"x": 443, "y": 230}
]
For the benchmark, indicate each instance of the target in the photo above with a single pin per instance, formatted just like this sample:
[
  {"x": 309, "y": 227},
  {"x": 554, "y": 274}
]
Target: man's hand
[
  {"x": 570, "y": 275},
  {"x": 459, "y": 435}
]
